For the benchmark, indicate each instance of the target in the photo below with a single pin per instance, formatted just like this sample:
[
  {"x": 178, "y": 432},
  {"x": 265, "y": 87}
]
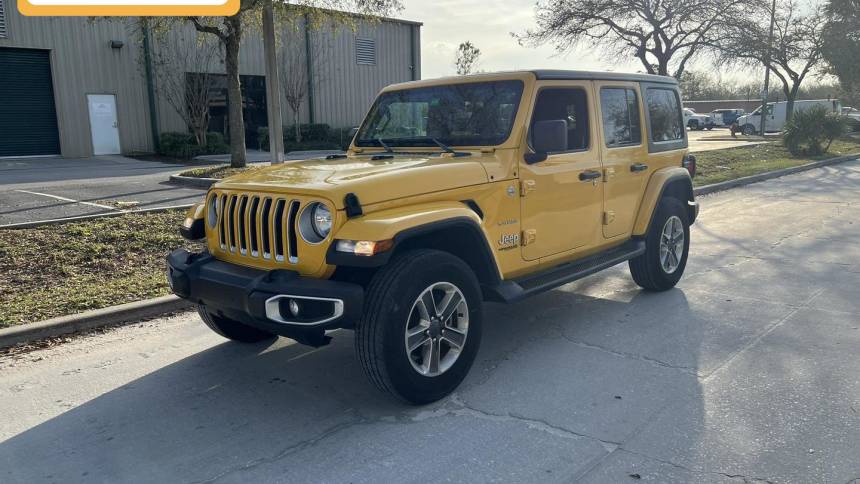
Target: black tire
[
  {"x": 647, "y": 270},
  {"x": 693, "y": 125},
  {"x": 748, "y": 130},
  {"x": 380, "y": 334},
  {"x": 231, "y": 329}
]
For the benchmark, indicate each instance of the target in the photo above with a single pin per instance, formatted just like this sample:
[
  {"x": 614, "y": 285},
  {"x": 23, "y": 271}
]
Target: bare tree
[
  {"x": 229, "y": 32},
  {"x": 182, "y": 69},
  {"x": 305, "y": 61},
  {"x": 665, "y": 35},
  {"x": 794, "y": 53},
  {"x": 467, "y": 58}
]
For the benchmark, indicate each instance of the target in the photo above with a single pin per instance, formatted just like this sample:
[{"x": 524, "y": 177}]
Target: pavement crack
[{"x": 744, "y": 478}]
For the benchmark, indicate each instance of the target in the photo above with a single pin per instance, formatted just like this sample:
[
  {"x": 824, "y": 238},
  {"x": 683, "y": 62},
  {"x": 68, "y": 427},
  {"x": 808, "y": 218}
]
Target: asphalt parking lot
[
  {"x": 746, "y": 372},
  {"x": 718, "y": 139},
  {"x": 35, "y": 189}
]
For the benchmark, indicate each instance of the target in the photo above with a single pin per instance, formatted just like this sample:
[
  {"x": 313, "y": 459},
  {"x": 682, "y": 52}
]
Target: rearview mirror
[{"x": 549, "y": 136}]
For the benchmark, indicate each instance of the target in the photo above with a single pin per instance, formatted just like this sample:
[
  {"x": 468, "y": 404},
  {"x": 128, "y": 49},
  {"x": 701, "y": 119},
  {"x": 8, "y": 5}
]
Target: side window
[
  {"x": 664, "y": 114},
  {"x": 569, "y": 104},
  {"x": 621, "y": 125}
]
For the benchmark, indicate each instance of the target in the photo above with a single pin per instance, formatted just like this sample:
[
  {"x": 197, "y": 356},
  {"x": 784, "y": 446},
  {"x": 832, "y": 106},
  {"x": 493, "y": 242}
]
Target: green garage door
[{"x": 28, "y": 120}]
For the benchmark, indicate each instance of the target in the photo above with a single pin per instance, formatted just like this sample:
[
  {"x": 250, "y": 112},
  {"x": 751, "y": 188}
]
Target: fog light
[{"x": 295, "y": 309}]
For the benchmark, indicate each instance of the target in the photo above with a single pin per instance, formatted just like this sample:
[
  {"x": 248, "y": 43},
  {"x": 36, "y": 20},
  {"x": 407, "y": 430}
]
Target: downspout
[
  {"x": 150, "y": 86},
  {"x": 412, "y": 52},
  {"x": 310, "y": 71}
]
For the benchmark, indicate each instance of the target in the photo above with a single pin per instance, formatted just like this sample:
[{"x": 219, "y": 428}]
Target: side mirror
[{"x": 549, "y": 136}]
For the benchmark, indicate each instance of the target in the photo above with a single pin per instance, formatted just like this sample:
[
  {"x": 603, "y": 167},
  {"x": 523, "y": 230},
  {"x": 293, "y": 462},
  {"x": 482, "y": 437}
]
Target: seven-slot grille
[{"x": 258, "y": 226}]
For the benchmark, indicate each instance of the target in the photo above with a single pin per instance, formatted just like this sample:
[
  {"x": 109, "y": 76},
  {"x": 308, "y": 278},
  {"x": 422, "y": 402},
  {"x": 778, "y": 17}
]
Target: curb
[
  {"x": 131, "y": 312},
  {"x": 123, "y": 313},
  {"x": 747, "y": 180},
  {"x": 193, "y": 181},
  {"x": 79, "y": 218}
]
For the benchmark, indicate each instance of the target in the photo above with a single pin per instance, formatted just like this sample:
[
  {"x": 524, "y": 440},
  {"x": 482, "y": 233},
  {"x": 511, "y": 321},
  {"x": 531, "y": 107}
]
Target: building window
[
  {"x": 3, "y": 33},
  {"x": 620, "y": 117},
  {"x": 365, "y": 52}
]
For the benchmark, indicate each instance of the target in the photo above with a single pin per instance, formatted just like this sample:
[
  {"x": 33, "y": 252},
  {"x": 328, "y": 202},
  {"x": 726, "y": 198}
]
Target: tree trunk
[
  {"x": 298, "y": 125},
  {"x": 238, "y": 158},
  {"x": 789, "y": 102}
]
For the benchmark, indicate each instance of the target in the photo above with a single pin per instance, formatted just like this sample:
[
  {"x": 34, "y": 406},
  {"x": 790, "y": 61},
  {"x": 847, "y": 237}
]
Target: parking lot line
[{"x": 106, "y": 207}]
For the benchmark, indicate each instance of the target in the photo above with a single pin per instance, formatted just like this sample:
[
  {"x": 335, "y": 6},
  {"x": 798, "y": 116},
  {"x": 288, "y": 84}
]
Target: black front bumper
[{"x": 241, "y": 293}]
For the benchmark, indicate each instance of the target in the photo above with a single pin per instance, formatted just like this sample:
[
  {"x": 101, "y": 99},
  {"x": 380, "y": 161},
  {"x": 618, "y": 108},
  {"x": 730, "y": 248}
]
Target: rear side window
[
  {"x": 569, "y": 104},
  {"x": 621, "y": 126},
  {"x": 664, "y": 115}
]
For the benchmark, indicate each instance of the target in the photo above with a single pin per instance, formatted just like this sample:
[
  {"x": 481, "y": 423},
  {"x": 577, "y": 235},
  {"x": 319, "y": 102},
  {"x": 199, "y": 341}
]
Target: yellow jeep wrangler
[{"x": 454, "y": 191}]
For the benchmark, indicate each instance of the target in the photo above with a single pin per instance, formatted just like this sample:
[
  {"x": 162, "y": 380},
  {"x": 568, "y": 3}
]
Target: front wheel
[
  {"x": 421, "y": 326},
  {"x": 748, "y": 130},
  {"x": 666, "y": 245}
]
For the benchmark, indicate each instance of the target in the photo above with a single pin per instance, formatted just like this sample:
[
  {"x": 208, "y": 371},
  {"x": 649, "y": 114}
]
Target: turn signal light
[{"x": 364, "y": 248}]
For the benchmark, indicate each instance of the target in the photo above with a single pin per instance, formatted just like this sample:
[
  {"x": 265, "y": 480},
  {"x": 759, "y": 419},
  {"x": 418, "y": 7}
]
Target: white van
[{"x": 775, "y": 118}]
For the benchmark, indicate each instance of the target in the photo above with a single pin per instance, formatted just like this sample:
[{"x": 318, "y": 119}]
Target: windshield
[{"x": 469, "y": 114}]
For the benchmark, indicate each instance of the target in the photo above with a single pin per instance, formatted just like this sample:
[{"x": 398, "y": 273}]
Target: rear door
[
  {"x": 625, "y": 154},
  {"x": 562, "y": 196}
]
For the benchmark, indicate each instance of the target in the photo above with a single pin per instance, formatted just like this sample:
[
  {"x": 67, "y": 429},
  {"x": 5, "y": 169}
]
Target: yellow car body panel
[{"x": 533, "y": 216}]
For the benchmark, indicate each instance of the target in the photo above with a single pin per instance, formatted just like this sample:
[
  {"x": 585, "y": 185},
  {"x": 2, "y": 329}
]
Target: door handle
[
  {"x": 638, "y": 167},
  {"x": 589, "y": 175}
]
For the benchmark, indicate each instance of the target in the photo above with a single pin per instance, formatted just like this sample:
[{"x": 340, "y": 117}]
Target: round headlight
[
  {"x": 321, "y": 220},
  {"x": 212, "y": 211}
]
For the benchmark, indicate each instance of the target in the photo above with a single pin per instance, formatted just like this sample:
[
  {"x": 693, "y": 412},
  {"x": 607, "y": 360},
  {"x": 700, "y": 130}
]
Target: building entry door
[{"x": 103, "y": 124}]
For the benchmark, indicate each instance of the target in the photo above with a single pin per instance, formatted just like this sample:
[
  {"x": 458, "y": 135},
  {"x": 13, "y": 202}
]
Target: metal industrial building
[{"x": 75, "y": 87}]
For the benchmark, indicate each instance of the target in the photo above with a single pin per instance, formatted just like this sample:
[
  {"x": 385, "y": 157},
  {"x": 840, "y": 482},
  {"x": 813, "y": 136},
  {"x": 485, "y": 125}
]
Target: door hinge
[
  {"x": 529, "y": 237},
  {"x": 527, "y": 186},
  {"x": 608, "y": 217},
  {"x": 607, "y": 174}
]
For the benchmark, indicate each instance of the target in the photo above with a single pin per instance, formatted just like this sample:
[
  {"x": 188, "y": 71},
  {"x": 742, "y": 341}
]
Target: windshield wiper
[
  {"x": 442, "y": 145},
  {"x": 384, "y": 145}
]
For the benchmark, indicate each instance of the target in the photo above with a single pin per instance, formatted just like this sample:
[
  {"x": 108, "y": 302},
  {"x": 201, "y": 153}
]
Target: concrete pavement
[
  {"x": 747, "y": 371},
  {"x": 36, "y": 189}
]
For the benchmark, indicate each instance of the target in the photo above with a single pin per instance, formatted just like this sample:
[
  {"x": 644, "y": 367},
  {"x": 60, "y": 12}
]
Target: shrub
[
  {"x": 811, "y": 131},
  {"x": 184, "y": 145},
  {"x": 316, "y": 136}
]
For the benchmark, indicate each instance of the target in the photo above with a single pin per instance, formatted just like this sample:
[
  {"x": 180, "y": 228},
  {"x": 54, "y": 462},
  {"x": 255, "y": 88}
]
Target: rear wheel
[
  {"x": 232, "y": 329},
  {"x": 666, "y": 245},
  {"x": 421, "y": 326}
]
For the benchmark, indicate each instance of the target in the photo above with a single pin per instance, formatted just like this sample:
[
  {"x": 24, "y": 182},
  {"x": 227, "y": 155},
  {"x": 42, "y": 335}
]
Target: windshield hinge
[{"x": 527, "y": 186}]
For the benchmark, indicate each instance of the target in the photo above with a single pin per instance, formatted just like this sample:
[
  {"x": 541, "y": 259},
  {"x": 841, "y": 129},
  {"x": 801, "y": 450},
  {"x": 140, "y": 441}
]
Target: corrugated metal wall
[
  {"x": 84, "y": 63},
  {"x": 344, "y": 89}
]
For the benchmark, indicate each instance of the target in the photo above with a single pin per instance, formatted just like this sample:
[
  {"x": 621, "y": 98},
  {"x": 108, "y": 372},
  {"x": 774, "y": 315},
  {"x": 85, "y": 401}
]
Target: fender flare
[
  {"x": 422, "y": 221},
  {"x": 657, "y": 185}
]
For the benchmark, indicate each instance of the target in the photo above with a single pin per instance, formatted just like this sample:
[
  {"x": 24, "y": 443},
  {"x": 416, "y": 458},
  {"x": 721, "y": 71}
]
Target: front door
[
  {"x": 103, "y": 124},
  {"x": 562, "y": 196},
  {"x": 625, "y": 155}
]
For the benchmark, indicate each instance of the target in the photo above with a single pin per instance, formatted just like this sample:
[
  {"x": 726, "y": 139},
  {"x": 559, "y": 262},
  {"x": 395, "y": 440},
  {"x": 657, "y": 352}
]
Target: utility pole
[
  {"x": 273, "y": 86},
  {"x": 767, "y": 68}
]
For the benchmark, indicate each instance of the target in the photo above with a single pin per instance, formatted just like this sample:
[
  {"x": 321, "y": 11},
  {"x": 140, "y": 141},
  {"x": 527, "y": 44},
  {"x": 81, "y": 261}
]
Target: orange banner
[{"x": 99, "y": 8}]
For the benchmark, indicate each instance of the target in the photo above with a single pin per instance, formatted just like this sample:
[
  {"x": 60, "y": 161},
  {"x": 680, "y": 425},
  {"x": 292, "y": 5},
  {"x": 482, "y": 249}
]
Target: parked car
[
  {"x": 853, "y": 115},
  {"x": 775, "y": 117},
  {"x": 697, "y": 121},
  {"x": 725, "y": 117},
  {"x": 491, "y": 187}
]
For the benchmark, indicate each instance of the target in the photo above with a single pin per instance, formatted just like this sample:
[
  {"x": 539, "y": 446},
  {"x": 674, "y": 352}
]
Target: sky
[{"x": 488, "y": 24}]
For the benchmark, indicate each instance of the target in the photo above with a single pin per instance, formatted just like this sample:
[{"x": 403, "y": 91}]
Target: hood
[{"x": 371, "y": 180}]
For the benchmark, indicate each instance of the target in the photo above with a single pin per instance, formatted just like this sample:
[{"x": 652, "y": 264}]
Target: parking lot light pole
[
  {"x": 764, "y": 92},
  {"x": 273, "y": 86}
]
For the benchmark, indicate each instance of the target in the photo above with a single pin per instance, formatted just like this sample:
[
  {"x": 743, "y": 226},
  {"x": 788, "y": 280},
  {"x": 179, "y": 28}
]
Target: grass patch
[
  {"x": 57, "y": 270},
  {"x": 721, "y": 165},
  {"x": 219, "y": 172}
]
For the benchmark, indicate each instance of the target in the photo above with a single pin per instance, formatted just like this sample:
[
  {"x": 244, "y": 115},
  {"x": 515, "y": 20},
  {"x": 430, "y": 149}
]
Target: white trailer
[{"x": 775, "y": 117}]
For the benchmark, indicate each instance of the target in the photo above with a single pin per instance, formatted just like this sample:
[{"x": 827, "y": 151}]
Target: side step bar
[{"x": 514, "y": 290}]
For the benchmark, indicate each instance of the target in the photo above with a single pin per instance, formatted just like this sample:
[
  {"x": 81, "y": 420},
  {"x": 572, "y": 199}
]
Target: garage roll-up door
[{"x": 28, "y": 119}]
